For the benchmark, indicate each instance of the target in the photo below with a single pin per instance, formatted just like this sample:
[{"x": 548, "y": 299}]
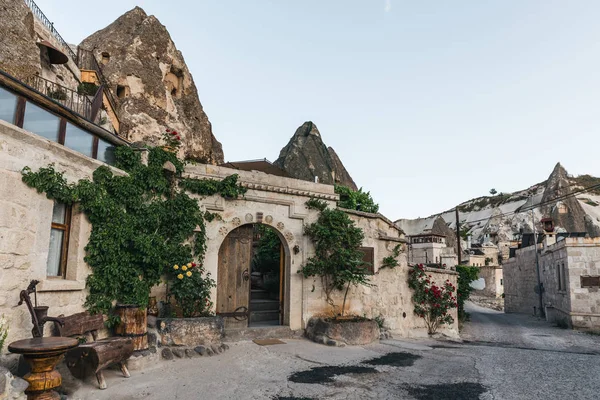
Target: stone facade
[
  {"x": 565, "y": 267},
  {"x": 25, "y": 225},
  {"x": 25, "y": 221},
  {"x": 490, "y": 282}
]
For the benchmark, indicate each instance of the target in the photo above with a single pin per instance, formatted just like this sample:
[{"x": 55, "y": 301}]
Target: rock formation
[
  {"x": 566, "y": 212},
  {"x": 508, "y": 214},
  {"x": 306, "y": 156},
  {"x": 19, "y": 54},
  {"x": 153, "y": 84}
]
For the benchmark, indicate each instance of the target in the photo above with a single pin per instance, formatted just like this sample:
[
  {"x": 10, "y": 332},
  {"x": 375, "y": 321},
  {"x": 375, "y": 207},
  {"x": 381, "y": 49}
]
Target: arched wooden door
[{"x": 233, "y": 277}]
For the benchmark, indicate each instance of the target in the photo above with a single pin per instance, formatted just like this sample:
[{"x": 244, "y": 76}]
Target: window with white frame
[{"x": 59, "y": 241}]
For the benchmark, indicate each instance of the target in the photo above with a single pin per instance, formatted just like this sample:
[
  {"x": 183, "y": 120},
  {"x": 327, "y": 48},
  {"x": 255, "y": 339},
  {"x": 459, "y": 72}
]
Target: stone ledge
[{"x": 60, "y": 285}]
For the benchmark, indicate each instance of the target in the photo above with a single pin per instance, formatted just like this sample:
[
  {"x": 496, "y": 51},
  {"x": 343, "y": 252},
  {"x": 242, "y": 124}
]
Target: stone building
[
  {"x": 40, "y": 239},
  {"x": 570, "y": 280}
]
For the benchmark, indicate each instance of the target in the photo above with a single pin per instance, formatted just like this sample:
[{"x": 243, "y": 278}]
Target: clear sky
[{"x": 427, "y": 103}]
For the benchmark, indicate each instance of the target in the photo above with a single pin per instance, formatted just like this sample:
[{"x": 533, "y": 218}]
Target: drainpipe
[{"x": 537, "y": 266}]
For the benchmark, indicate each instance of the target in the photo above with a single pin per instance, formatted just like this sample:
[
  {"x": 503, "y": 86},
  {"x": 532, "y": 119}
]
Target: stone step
[
  {"x": 268, "y": 315},
  {"x": 264, "y": 305},
  {"x": 259, "y": 294},
  {"x": 263, "y": 332}
]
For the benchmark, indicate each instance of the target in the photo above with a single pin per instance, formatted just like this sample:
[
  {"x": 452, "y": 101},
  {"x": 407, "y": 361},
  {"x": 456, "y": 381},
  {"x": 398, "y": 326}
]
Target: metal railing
[
  {"x": 40, "y": 15},
  {"x": 69, "y": 98},
  {"x": 87, "y": 60}
]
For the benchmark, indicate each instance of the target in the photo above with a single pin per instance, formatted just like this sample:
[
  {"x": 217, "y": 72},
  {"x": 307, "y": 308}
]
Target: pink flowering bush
[
  {"x": 171, "y": 138},
  {"x": 432, "y": 301}
]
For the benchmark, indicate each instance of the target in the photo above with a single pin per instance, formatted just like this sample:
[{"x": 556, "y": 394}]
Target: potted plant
[{"x": 338, "y": 263}]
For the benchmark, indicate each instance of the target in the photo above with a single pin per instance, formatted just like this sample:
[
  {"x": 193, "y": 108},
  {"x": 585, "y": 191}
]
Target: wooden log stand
[
  {"x": 42, "y": 354},
  {"x": 94, "y": 356}
]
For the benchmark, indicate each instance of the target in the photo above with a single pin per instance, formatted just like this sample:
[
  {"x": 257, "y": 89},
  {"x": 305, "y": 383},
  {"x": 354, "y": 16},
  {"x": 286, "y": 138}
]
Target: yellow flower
[
  {"x": 184, "y": 268},
  {"x": 189, "y": 265},
  {"x": 180, "y": 276},
  {"x": 189, "y": 273},
  {"x": 176, "y": 267}
]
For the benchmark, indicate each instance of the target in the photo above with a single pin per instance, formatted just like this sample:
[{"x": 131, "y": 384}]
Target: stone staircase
[{"x": 263, "y": 310}]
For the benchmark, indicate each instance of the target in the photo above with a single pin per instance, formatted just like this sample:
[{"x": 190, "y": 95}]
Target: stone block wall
[
  {"x": 25, "y": 224},
  {"x": 389, "y": 296},
  {"x": 519, "y": 282},
  {"x": 492, "y": 278}
]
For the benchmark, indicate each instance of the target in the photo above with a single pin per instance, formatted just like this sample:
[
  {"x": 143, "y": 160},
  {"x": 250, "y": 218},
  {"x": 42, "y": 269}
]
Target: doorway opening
[
  {"x": 251, "y": 277},
  {"x": 266, "y": 286}
]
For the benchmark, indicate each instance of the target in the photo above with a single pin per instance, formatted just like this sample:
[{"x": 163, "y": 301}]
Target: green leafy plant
[
  {"x": 87, "y": 88},
  {"x": 190, "y": 286},
  {"x": 267, "y": 254},
  {"x": 57, "y": 94},
  {"x": 228, "y": 188},
  {"x": 466, "y": 275},
  {"x": 171, "y": 138},
  {"x": 356, "y": 200},
  {"x": 380, "y": 321},
  {"x": 140, "y": 222},
  {"x": 3, "y": 331},
  {"x": 391, "y": 261},
  {"x": 431, "y": 302},
  {"x": 337, "y": 260}
]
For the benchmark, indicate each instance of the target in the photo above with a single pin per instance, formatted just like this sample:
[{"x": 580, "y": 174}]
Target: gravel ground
[{"x": 504, "y": 356}]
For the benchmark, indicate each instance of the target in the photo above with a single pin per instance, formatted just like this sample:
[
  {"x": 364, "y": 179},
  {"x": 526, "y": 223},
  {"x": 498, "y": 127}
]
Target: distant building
[
  {"x": 430, "y": 248},
  {"x": 569, "y": 266}
]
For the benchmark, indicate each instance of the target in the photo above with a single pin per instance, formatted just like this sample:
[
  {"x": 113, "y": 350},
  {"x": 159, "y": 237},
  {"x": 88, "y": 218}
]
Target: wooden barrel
[{"x": 133, "y": 325}]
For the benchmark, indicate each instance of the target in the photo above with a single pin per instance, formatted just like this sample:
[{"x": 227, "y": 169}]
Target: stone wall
[
  {"x": 491, "y": 277},
  {"x": 567, "y": 304},
  {"x": 520, "y": 281},
  {"x": 389, "y": 296},
  {"x": 25, "y": 223}
]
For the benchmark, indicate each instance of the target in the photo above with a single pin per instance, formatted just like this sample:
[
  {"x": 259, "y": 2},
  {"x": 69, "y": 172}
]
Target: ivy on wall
[
  {"x": 337, "y": 260},
  {"x": 356, "y": 199},
  {"x": 141, "y": 222}
]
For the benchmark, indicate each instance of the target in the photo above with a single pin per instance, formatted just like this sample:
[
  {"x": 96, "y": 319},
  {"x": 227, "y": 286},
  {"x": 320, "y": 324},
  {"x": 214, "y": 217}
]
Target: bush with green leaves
[
  {"x": 466, "y": 275},
  {"x": 338, "y": 262},
  {"x": 189, "y": 285},
  {"x": 356, "y": 199},
  {"x": 432, "y": 301},
  {"x": 267, "y": 254},
  {"x": 141, "y": 222}
]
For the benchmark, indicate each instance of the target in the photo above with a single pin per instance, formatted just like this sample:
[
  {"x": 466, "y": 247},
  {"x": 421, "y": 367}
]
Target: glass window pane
[
  {"x": 55, "y": 252},
  {"x": 8, "y": 104},
  {"x": 59, "y": 212},
  {"x": 79, "y": 140},
  {"x": 106, "y": 152},
  {"x": 41, "y": 122}
]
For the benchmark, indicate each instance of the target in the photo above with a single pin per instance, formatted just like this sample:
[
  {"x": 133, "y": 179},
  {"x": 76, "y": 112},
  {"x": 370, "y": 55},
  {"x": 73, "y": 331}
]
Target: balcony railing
[
  {"x": 87, "y": 61},
  {"x": 72, "y": 100},
  {"x": 40, "y": 15}
]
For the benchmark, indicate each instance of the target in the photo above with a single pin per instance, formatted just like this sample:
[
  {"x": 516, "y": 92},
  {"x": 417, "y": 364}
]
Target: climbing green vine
[
  {"x": 141, "y": 221},
  {"x": 337, "y": 260},
  {"x": 391, "y": 261}
]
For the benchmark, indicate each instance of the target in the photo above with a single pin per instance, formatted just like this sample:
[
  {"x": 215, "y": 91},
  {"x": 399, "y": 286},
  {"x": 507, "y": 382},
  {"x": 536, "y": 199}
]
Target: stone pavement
[{"x": 502, "y": 359}]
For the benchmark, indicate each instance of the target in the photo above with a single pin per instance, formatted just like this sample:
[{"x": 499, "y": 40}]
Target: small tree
[
  {"x": 466, "y": 275},
  {"x": 337, "y": 260},
  {"x": 431, "y": 302},
  {"x": 493, "y": 191},
  {"x": 356, "y": 199}
]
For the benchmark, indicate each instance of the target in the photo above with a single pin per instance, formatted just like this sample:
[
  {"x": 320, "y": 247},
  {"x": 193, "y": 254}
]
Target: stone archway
[{"x": 244, "y": 297}]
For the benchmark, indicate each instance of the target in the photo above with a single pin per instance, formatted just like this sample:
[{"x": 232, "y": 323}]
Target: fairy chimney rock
[{"x": 154, "y": 86}]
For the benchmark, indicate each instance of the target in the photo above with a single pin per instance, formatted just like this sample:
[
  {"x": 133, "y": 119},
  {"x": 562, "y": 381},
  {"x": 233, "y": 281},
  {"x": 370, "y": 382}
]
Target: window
[
  {"x": 78, "y": 140},
  {"x": 106, "y": 152},
  {"x": 369, "y": 257},
  {"x": 8, "y": 105},
  {"x": 59, "y": 240},
  {"x": 41, "y": 122},
  {"x": 558, "y": 276}
]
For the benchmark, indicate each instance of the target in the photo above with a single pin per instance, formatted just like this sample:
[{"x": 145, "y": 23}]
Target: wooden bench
[{"x": 97, "y": 355}]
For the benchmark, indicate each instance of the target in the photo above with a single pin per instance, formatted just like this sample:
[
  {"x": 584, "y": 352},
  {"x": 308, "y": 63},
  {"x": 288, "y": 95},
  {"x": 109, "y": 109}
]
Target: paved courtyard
[{"x": 504, "y": 356}]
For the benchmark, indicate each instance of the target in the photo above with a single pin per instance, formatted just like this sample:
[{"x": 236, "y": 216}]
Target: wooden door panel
[{"x": 233, "y": 277}]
